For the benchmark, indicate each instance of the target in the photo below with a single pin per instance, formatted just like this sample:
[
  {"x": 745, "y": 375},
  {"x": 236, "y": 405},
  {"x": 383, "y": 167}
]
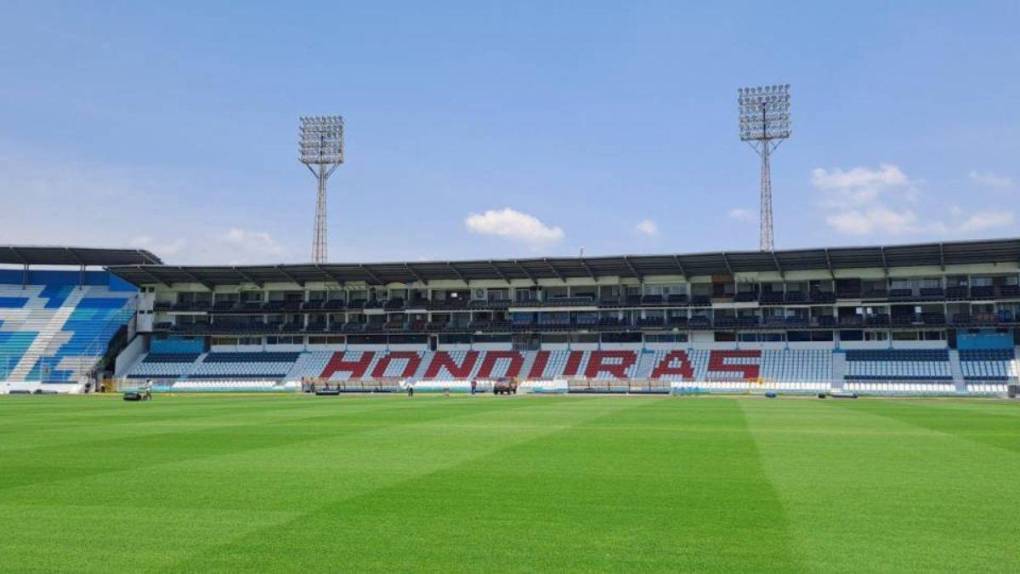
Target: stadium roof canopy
[
  {"x": 720, "y": 263},
  {"x": 77, "y": 256}
]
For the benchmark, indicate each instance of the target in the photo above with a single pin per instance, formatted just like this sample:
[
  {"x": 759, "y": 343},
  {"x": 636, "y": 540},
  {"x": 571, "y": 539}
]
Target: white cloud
[
  {"x": 860, "y": 186},
  {"x": 741, "y": 214},
  {"x": 647, "y": 227},
  {"x": 858, "y": 177},
  {"x": 241, "y": 246},
  {"x": 992, "y": 180},
  {"x": 161, "y": 249},
  {"x": 877, "y": 219},
  {"x": 985, "y": 220},
  {"x": 514, "y": 225},
  {"x": 885, "y": 201}
]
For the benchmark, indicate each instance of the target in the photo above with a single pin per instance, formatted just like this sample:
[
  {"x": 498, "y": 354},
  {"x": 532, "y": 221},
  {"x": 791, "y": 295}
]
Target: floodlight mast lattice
[
  {"x": 764, "y": 124},
  {"x": 321, "y": 149}
]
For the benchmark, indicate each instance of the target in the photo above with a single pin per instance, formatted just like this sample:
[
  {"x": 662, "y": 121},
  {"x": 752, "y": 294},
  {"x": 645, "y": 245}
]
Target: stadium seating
[
  {"x": 57, "y": 331},
  {"x": 164, "y": 366},
  {"x": 989, "y": 365},
  {"x": 899, "y": 365},
  {"x": 919, "y": 371},
  {"x": 244, "y": 365},
  {"x": 678, "y": 364}
]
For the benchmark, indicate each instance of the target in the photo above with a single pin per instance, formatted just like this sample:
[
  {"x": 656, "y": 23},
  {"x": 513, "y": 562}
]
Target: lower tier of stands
[
  {"x": 791, "y": 369},
  {"x": 899, "y": 365},
  {"x": 668, "y": 365},
  {"x": 989, "y": 365}
]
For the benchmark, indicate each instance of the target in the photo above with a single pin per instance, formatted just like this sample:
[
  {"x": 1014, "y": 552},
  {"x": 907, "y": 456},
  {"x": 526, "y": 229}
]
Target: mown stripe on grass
[
  {"x": 990, "y": 423},
  {"x": 275, "y": 425},
  {"x": 881, "y": 495},
  {"x": 268, "y": 482},
  {"x": 569, "y": 485}
]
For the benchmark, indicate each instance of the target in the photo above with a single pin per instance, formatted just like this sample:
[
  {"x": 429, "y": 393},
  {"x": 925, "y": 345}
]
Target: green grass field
[{"x": 354, "y": 484}]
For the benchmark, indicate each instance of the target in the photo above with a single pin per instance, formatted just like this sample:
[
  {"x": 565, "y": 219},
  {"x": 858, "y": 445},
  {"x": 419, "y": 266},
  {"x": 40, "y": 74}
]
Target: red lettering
[
  {"x": 573, "y": 364},
  {"x": 489, "y": 363},
  {"x": 718, "y": 363},
  {"x": 442, "y": 359},
  {"x": 615, "y": 363},
  {"x": 410, "y": 368},
  {"x": 357, "y": 368},
  {"x": 666, "y": 368},
  {"x": 538, "y": 367}
]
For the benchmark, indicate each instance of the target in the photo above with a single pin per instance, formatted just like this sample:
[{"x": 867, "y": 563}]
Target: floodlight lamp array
[
  {"x": 321, "y": 140},
  {"x": 764, "y": 112}
]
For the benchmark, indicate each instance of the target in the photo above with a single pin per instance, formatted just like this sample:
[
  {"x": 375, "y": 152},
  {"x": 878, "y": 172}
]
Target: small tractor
[{"x": 505, "y": 386}]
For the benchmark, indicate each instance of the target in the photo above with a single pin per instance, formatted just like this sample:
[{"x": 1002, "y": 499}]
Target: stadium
[
  {"x": 926, "y": 319},
  {"x": 543, "y": 329},
  {"x": 279, "y": 436}
]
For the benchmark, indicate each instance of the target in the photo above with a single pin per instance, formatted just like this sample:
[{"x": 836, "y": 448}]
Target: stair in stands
[
  {"x": 957, "y": 370},
  {"x": 838, "y": 370}
]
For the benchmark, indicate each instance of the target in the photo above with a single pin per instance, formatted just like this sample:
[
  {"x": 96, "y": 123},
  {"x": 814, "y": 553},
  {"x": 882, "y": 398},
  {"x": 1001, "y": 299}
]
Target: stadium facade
[{"x": 936, "y": 317}]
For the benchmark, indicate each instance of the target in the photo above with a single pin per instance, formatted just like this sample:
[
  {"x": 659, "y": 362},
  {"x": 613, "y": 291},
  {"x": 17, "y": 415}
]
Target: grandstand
[
  {"x": 56, "y": 325},
  {"x": 925, "y": 318}
]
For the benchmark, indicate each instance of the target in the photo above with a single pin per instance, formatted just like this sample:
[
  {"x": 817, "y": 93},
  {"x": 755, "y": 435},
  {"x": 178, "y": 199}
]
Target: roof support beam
[
  {"x": 457, "y": 272},
  {"x": 247, "y": 277},
  {"x": 630, "y": 265},
  {"x": 25, "y": 266},
  {"x": 591, "y": 272},
  {"x": 726, "y": 261},
  {"x": 680, "y": 266},
  {"x": 196, "y": 279},
  {"x": 555, "y": 271},
  {"x": 74, "y": 256},
  {"x": 154, "y": 277},
  {"x": 421, "y": 279},
  {"x": 18, "y": 254},
  {"x": 331, "y": 275},
  {"x": 499, "y": 271},
  {"x": 828, "y": 265},
  {"x": 942, "y": 256},
  {"x": 525, "y": 271},
  {"x": 779, "y": 268},
  {"x": 375, "y": 278},
  {"x": 288, "y": 275},
  {"x": 885, "y": 263}
]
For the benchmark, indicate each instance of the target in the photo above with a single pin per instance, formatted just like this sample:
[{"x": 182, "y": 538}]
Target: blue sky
[{"x": 487, "y": 130}]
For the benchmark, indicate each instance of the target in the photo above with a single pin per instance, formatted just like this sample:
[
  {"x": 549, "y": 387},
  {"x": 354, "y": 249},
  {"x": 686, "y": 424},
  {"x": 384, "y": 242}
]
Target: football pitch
[{"x": 385, "y": 484}]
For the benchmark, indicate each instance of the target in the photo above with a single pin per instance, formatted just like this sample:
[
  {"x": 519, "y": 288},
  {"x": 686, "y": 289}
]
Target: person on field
[{"x": 474, "y": 386}]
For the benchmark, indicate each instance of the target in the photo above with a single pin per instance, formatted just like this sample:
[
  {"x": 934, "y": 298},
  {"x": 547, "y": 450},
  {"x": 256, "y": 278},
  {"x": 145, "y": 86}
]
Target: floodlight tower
[
  {"x": 321, "y": 149},
  {"x": 764, "y": 124}
]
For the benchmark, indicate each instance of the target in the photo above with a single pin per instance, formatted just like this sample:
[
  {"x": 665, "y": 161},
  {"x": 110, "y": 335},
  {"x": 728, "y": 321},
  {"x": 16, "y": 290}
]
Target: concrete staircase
[
  {"x": 839, "y": 370},
  {"x": 529, "y": 361},
  {"x": 957, "y": 370},
  {"x": 645, "y": 365}
]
